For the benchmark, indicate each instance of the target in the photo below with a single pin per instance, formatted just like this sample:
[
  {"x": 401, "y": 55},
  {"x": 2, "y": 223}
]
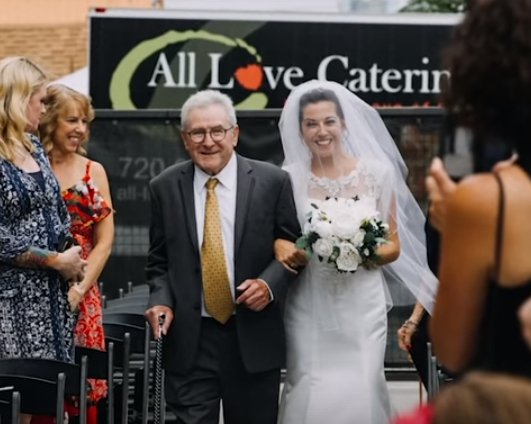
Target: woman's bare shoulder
[
  {"x": 475, "y": 196},
  {"x": 97, "y": 170}
]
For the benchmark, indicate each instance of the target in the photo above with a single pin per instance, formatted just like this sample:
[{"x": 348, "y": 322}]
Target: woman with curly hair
[
  {"x": 64, "y": 131},
  {"x": 485, "y": 271},
  {"x": 479, "y": 398}
]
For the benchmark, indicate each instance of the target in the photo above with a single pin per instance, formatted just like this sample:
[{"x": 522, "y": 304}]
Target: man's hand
[
  {"x": 255, "y": 294},
  {"x": 440, "y": 186},
  {"x": 153, "y": 314}
]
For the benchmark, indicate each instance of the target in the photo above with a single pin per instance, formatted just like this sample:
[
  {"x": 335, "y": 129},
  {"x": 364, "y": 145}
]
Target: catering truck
[
  {"x": 156, "y": 58},
  {"x": 145, "y": 63}
]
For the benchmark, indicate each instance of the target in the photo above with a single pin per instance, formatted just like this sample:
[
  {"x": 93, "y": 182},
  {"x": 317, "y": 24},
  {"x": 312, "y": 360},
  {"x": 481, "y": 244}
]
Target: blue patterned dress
[{"x": 35, "y": 318}]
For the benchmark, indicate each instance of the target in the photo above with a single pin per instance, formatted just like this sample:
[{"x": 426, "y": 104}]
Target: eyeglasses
[{"x": 217, "y": 134}]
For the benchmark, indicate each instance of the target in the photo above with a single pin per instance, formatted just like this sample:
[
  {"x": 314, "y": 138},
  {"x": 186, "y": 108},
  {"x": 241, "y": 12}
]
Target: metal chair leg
[
  {"x": 83, "y": 391},
  {"x": 110, "y": 384},
  {"x": 60, "y": 403},
  {"x": 15, "y": 408},
  {"x": 125, "y": 378},
  {"x": 430, "y": 372},
  {"x": 145, "y": 376}
]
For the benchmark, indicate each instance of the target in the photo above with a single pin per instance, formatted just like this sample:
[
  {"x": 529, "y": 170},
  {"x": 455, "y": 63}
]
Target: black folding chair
[
  {"x": 436, "y": 375},
  {"x": 127, "y": 318},
  {"x": 9, "y": 405},
  {"x": 48, "y": 369},
  {"x": 139, "y": 302},
  {"x": 38, "y": 396},
  {"x": 121, "y": 339},
  {"x": 133, "y": 323},
  {"x": 99, "y": 365}
]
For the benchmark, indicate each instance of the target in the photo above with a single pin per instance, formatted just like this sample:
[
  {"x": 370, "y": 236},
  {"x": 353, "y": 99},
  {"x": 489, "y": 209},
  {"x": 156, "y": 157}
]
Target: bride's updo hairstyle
[{"x": 319, "y": 95}]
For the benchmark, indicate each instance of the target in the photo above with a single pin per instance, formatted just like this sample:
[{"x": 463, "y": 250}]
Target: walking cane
[{"x": 159, "y": 383}]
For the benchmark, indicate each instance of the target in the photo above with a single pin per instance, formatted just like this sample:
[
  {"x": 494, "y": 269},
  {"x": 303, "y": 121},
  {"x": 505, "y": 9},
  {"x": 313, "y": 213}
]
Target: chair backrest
[
  {"x": 46, "y": 369},
  {"x": 115, "y": 326},
  {"x": 117, "y": 331},
  {"x": 139, "y": 302},
  {"x": 9, "y": 405},
  {"x": 128, "y": 318},
  {"x": 120, "y": 349},
  {"x": 97, "y": 364},
  {"x": 38, "y": 396},
  {"x": 128, "y": 309}
]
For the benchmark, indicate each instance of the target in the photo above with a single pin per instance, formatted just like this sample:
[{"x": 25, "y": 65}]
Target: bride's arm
[{"x": 287, "y": 253}]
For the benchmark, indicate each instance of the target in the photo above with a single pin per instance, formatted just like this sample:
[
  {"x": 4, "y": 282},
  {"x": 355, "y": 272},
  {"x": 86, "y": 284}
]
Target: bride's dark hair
[
  {"x": 319, "y": 95},
  {"x": 489, "y": 58}
]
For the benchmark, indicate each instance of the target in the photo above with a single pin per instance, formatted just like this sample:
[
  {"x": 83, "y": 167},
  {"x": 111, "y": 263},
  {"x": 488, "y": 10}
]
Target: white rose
[
  {"x": 323, "y": 228},
  {"x": 345, "y": 226},
  {"x": 308, "y": 228},
  {"x": 331, "y": 206},
  {"x": 348, "y": 259},
  {"x": 358, "y": 238},
  {"x": 323, "y": 247}
]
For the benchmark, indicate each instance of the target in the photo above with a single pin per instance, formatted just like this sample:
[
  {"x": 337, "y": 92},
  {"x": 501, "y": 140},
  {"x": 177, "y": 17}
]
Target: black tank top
[{"x": 502, "y": 347}]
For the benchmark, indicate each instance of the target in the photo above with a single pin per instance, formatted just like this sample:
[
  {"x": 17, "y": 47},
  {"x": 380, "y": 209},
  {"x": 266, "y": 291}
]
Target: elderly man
[{"x": 213, "y": 274}]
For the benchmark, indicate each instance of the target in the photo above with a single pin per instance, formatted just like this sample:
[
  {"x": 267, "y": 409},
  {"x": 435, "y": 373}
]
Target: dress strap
[
  {"x": 499, "y": 230},
  {"x": 87, "y": 171}
]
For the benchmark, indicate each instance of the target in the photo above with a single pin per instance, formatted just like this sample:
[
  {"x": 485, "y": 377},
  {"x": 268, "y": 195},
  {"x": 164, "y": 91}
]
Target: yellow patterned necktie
[{"x": 216, "y": 285}]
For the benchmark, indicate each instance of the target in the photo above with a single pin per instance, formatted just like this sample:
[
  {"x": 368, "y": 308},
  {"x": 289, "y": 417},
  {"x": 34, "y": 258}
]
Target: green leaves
[{"x": 306, "y": 241}]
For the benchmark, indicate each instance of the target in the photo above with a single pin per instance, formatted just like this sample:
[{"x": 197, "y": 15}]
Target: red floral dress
[{"x": 87, "y": 207}]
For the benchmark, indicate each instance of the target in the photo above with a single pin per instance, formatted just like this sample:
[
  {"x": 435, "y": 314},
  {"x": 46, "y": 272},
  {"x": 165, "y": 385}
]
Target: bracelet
[{"x": 409, "y": 322}]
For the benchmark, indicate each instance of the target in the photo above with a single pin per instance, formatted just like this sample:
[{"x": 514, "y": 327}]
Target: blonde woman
[{"x": 35, "y": 318}]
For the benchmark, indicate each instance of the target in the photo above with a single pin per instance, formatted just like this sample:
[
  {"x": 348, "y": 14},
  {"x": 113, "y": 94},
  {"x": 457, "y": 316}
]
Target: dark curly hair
[
  {"x": 319, "y": 95},
  {"x": 489, "y": 58}
]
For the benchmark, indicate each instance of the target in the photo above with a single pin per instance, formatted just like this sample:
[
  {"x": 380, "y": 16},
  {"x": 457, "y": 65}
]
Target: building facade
[{"x": 52, "y": 32}]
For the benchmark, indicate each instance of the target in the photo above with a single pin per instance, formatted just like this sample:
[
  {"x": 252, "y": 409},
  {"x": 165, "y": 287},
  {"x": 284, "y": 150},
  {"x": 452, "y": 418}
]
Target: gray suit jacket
[{"x": 265, "y": 210}]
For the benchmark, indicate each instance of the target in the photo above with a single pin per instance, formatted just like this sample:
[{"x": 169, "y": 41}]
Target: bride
[{"x": 335, "y": 145}]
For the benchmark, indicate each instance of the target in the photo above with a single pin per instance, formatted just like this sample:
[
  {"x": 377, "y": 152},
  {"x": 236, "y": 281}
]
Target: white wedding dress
[{"x": 336, "y": 327}]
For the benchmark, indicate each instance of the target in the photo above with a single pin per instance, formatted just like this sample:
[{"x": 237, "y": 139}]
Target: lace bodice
[{"x": 364, "y": 180}]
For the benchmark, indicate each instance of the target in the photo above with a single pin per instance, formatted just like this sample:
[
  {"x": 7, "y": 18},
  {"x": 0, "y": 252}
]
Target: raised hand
[{"x": 440, "y": 186}]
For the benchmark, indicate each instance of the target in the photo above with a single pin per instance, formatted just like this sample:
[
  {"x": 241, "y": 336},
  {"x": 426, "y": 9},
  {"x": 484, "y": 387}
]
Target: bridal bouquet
[{"x": 344, "y": 232}]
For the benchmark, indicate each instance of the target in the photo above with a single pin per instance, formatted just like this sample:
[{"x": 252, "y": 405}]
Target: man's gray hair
[{"x": 206, "y": 98}]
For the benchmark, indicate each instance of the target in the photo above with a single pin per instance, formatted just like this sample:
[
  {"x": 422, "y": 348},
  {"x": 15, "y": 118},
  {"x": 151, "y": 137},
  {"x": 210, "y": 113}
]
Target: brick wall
[
  {"x": 60, "y": 49},
  {"x": 39, "y": 12},
  {"x": 53, "y": 32}
]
